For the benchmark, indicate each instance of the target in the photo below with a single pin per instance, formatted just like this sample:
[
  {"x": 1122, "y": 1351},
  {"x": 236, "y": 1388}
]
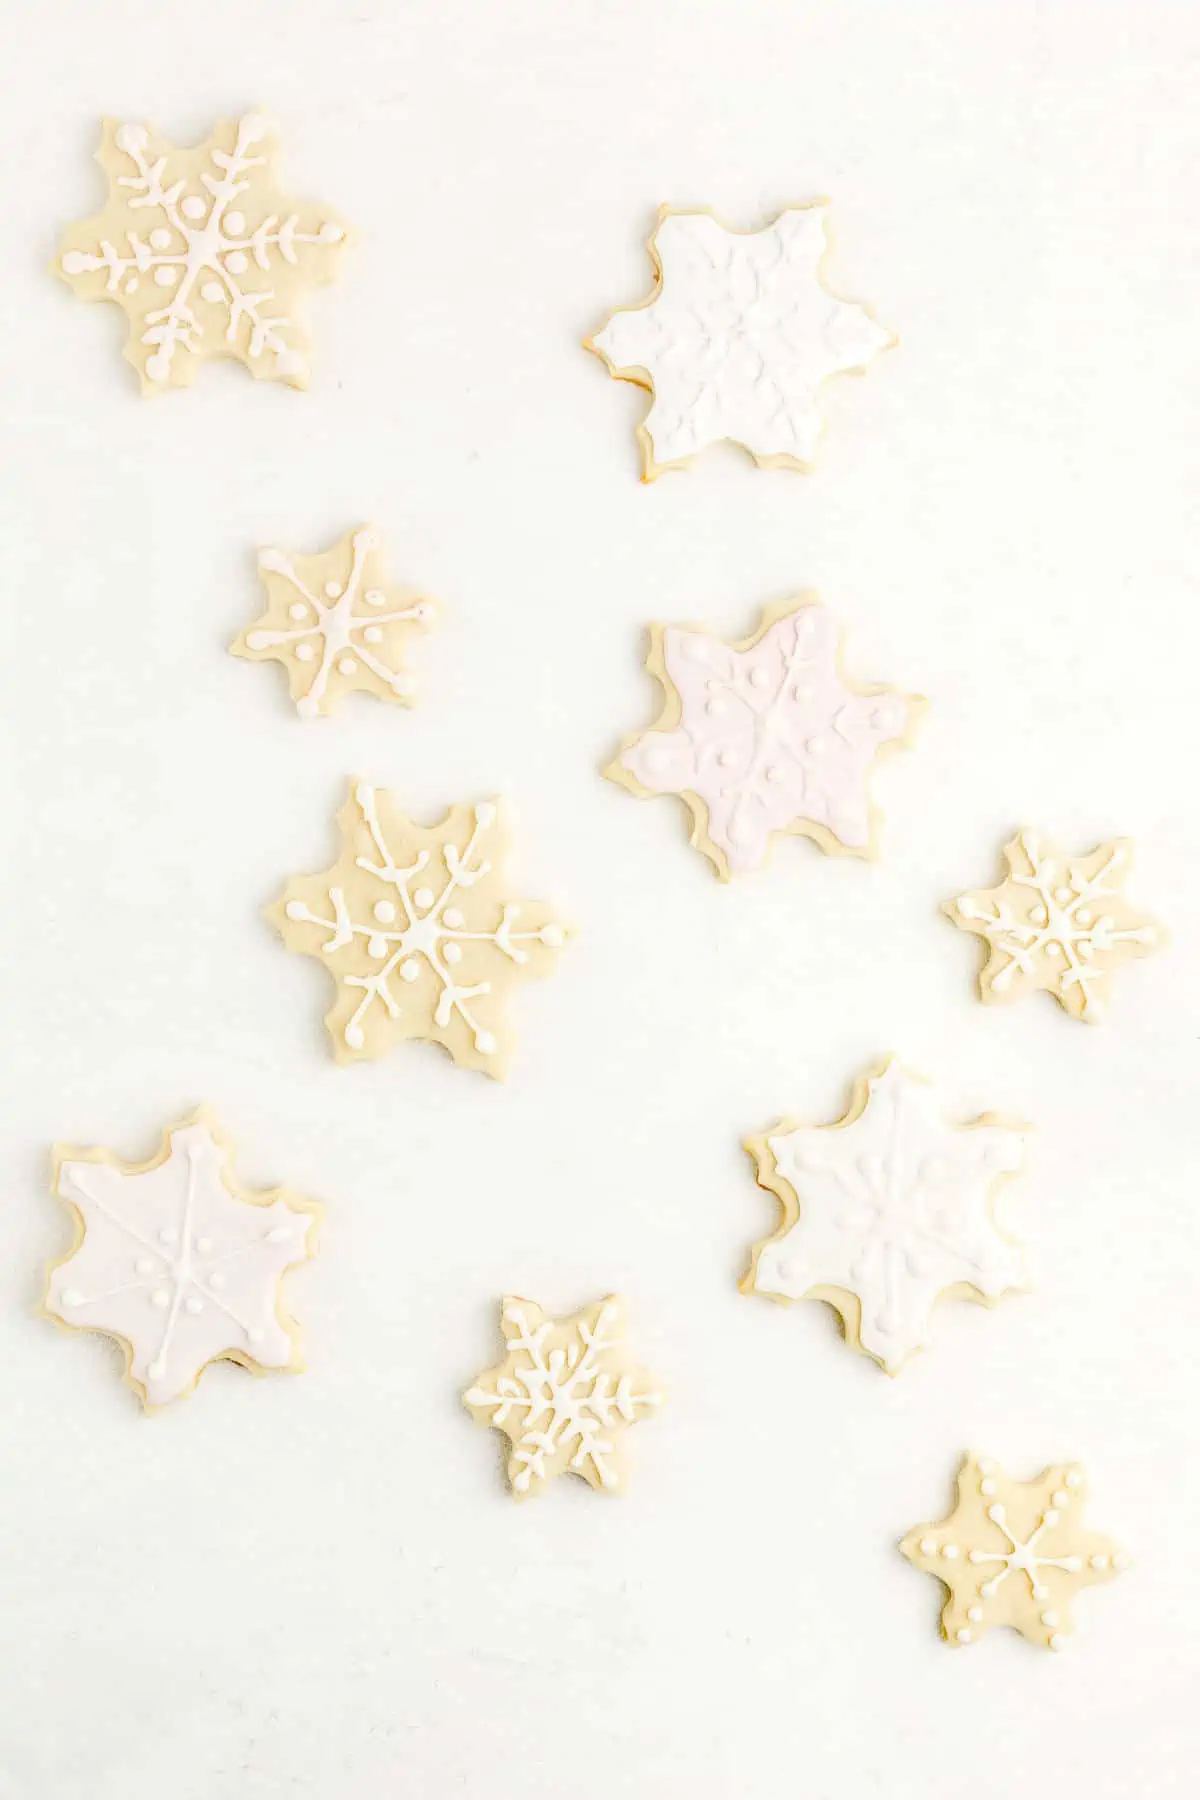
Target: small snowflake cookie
[
  {"x": 1057, "y": 922},
  {"x": 886, "y": 1212},
  {"x": 203, "y": 252},
  {"x": 765, "y": 736},
  {"x": 736, "y": 339},
  {"x": 1013, "y": 1553},
  {"x": 565, "y": 1395},
  {"x": 413, "y": 924},
  {"x": 335, "y": 624},
  {"x": 178, "y": 1261}
]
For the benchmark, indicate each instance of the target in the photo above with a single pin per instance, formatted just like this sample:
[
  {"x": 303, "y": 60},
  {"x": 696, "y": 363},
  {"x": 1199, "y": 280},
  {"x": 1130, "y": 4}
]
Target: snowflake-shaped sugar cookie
[
  {"x": 1057, "y": 922},
  {"x": 1013, "y": 1553},
  {"x": 765, "y": 736},
  {"x": 736, "y": 339},
  {"x": 886, "y": 1212},
  {"x": 178, "y": 1261},
  {"x": 203, "y": 252},
  {"x": 335, "y": 624},
  {"x": 565, "y": 1395},
  {"x": 413, "y": 925}
]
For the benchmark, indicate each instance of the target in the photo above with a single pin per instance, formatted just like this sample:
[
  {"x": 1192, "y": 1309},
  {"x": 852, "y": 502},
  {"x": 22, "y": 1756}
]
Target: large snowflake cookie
[
  {"x": 1013, "y": 1553},
  {"x": 335, "y": 624},
  {"x": 178, "y": 1261},
  {"x": 765, "y": 736},
  {"x": 203, "y": 252},
  {"x": 1057, "y": 922},
  {"x": 736, "y": 339},
  {"x": 887, "y": 1211},
  {"x": 413, "y": 924},
  {"x": 565, "y": 1395}
]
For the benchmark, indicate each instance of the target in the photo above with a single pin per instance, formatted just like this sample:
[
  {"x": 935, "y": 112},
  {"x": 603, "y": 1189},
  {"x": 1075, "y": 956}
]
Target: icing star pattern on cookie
[
  {"x": 1059, "y": 923},
  {"x": 178, "y": 1261},
  {"x": 565, "y": 1395},
  {"x": 203, "y": 252},
  {"x": 765, "y": 736},
  {"x": 886, "y": 1212},
  {"x": 1013, "y": 1553},
  {"x": 413, "y": 925},
  {"x": 736, "y": 339},
  {"x": 334, "y": 624}
]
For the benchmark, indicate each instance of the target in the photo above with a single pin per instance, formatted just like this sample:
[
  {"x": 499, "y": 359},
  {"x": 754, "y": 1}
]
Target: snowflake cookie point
[
  {"x": 1057, "y": 922},
  {"x": 178, "y": 1261},
  {"x": 565, "y": 1395},
  {"x": 886, "y": 1212},
  {"x": 736, "y": 338},
  {"x": 766, "y": 736},
  {"x": 204, "y": 253}
]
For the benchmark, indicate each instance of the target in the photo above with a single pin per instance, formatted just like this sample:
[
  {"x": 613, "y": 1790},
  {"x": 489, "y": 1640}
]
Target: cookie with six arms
[
  {"x": 736, "y": 338},
  {"x": 766, "y": 737},
  {"x": 886, "y": 1212},
  {"x": 1013, "y": 1553},
  {"x": 565, "y": 1395},
  {"x": 1057, "y": 922},
  {"x": 414, "y": 925},
  {"x": 335, "y": 623},
  {"x": 178, "y": 1261},
  {"x": 204, "y": 252}
]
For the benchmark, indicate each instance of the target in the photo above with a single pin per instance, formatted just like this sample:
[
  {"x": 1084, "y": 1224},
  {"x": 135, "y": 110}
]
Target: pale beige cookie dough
[
  {"x": 416, "y": 928},
  {"x": 1057, "y": 922},
  {"x": 565, "y": 1395},
  {"x": 1013, "y": 1553},
  {"x": 204, "y": 253},
  {"x": 336, "y": 624}
]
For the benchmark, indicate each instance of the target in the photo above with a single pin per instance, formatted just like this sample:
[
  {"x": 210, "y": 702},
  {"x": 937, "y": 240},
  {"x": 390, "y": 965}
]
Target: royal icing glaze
[
  {"x": 736, "y": 339},
  {"x": 1013, "y": 1553},
  {"x": 178, "y": 1261},
  {"x": 765, "y": 736},
  {"x": 1057, "y": 922},
  {"x": 335, "y": 624},
  {"x": 887, "y": 1211},
  {"x": 414, "y": 926},
  {"x": 203, "y": 252},
  {"x": 565, "y": 1395}
]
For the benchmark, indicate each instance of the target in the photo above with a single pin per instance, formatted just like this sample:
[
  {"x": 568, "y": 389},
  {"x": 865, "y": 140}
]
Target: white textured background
[{"x": 318, "y": 1587}]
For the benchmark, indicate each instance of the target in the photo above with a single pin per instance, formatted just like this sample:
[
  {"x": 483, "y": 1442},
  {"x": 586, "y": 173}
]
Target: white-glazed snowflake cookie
[
  {"x": 335, "y": 624},
  {"x": 1013, "y": 1553},
  {"x": 1057, "y": 922},
  {"x": 766, "y": 736},
  {"x": 565, "y": 1395},
  {"x": 414, "y": 924},
  {"x": 736, "y": 338},
  {"x": 178, "y": 1261},
  {"x": 886, "y": 1212},
  {"x": 203, "y": 252}
]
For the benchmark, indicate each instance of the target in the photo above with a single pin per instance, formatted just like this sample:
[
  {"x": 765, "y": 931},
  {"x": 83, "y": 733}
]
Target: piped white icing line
[
  {"x": 178, "y": 1261},
  {"x": 565, "y": 1395},
  {"x": 203, "y": 253},
  {"x": 887, "y": 1211},
  {"x": 737, "y": 338},
  {"x": 766, "y": 735}
]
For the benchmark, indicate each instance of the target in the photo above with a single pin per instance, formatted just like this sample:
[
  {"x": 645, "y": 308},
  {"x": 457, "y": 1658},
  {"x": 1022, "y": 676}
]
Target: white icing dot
[
  {"x": 1050, "y": 1619},
  {"x": 298, "y": 610},
  {"x": 986, "y": 1465},
  {"x": 452, "y": 952},
  {"x": 424, "y": 897},
  {"x": 216, "y": 1280},
  {"x": 1074, "y": 1478},
  {"x": 1083, "y": 917},
  {"x": 803, "y": 690},
  {"x": 143, "y": 1266},
  {"x": 346, "y": 665},
  {"x": 131, "y": 138},
  {"x": 384, "y": 911},
  {"x": 410, "y": 970},
  {"x": 1057, "y": 1640},
  {"x": 485, "y": 814},
  {"x": 975, "y": 1613},
  {"x": 996, "y": 1514},
  {"x": 949, "y": 1551},
  {"x": 373, "y": 634},
  {"x": 192, "y": 207},
  {"x": 131, "y": 286},
  {"x": 289, "y": 362},
  {"x": 212, "y": 291},
  {"x": 75, "y": 262},
  {"x": 332, "y": 590},
  {"x": 552, "y": 935},
  {"x": 234, "y": 223},
  {"x": 1120, "y": 1560},
  {"x": 928, "y": 1546},
  {"x": 295, "y": 909},
  {"x": 374, "y": 596},
  {"x": 166, "y": 274},
  {"x": 160, "y": 238},
  {"x": 759, "y": 678},
  {"x": 726, "y": 759},
  {"x": 988, "y": 1589},
  {"x": 715, "y": 708},
  {"x": 331, "y": 232},
  {"x": 773, "y": 772},
  {"x": 354, "y": 1034},
  {"x": 377, "y": 947},
  {"x": 193, "y": 1306},
  {"x": 987, "y": 1485},
  {"x": 1062, "y": 895},
  {"x": 279, "y": 1234},
  {"x": 252, "y": 127},
  {"x": 158, "y": 366},
  {"x": 453, "y": 917},
  {"x": 1060, "y": 1497},
  {"x": 305, "y": 652},
  {"x": 1054, "y": 948},
  {"x": 1039, "y": 915},
  {"x": 817, "y": 746},
  {"x": 963, "y": 1635},
  {"x": 485, "y": 1043},
  {"x": 1098, "y": 1562},
  {"x": 160, "y": 1298},
  {"x": 255, "y": 1334},
  {"x": 157, "y": 1369},
  {"x": 72, "y": 1297},
  {"x": 1050, "y": 1517},
  {"x": 237, "y": 262},
  {"x": 204, "y": 1245}
]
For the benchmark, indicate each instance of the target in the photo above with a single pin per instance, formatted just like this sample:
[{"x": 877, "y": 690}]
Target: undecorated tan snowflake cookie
[
  {"x": 335, "y": 624},
  {"x": 178, "y": 1261},
  {"x": 736, "y": 338},
  {"x": 1013, "y": 1553},
  {"x": 565, "y": 1395},
  {"x": 886, "y": 1212},
  {"x": 766, "y": 737},
  {"x": 414, "y": 925},
  {"x": 203, "y": 252},
  {"x": 1057, "y": 922}
]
